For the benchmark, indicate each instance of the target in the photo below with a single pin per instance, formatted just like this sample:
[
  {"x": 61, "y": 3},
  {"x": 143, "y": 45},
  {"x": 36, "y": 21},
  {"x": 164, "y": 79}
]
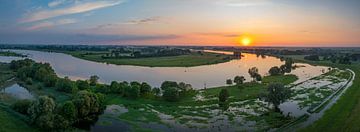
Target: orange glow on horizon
[{"x": 244, "y": 40}]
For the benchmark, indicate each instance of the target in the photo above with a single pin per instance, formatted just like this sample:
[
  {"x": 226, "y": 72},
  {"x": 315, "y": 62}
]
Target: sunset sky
[{"x": 181, "y": 22}]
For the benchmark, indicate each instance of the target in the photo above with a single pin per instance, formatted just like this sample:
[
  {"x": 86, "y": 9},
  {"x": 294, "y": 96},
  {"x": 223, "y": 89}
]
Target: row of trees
[
  {"x": 286, "y": 68},
  {"x": 84, "y": 107}
]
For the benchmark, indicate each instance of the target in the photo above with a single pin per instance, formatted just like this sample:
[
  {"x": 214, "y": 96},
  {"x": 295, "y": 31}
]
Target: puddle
[{"x": 17, "y": 92}]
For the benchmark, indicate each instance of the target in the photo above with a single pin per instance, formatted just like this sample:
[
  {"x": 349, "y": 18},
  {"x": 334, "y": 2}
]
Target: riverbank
[
  {"x": 9, "y": 53},
  {"x": 190, "y": 60},
  {"x": 201, "y": 111},
  {"x": 344, "y": 114}
]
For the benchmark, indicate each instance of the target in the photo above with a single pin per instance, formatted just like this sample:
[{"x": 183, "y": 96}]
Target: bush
[
  {"x": 22, "y": 106},
  {"x": 28, "y": 81}
]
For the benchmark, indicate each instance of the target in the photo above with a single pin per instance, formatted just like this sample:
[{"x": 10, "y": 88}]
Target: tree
[
  {"x": 50, "y": 80},
  {"x": 156, "y": 91},
  {"x": 41, "y": 112},
  {"x": 239, "y": 80},
  {"x": 229, "y": 82},
  {"x": 134, "y": 92},
  {"x": 82, "y": 85},
  {"x": 115, "y": 87},
  {"x": 258, "y": 77},
  {"x": 145, "y": 88},
  {"x": 274, "y": 71},
  {"x": 68, "y": 111},
  {"x": 253, "y": 72},
  {"x": 184, "y": 87},
  {"x": 65, "y": 85},
  {"x": 288, "y": 63},
  {"x": 168, "y": 84},
  {"x": 277, "y": 94},
  {"x": 88, "y": 106},
  {"x": 171, "y": 94},
  {"x": 223, "y": 95},
  {"x": 94, "y": 80}
]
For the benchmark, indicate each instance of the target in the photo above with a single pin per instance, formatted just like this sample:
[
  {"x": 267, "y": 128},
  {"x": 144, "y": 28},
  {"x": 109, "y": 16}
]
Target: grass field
[
  {"x": 193, "y": 59},
  {"x": 190, "y": 110},
  {"x": 345, "y": 114},
  {"x": 13, "y": 122}
]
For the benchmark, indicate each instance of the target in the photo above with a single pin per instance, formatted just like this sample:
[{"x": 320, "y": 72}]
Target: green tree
[
  {"x": 41, "y": 112},
  {"x": 115, "y": 87},
  {"x": 277, "y": 94},
  {"x": 156, "y": 91},
  {"x": 65, "y": 85},
  {"x": 93, "y": 80},
  {"x": 68, "y": 111},
  {"x": 88, "y": 106},
  {"x": 50, "y": 80},
  {"x": 145, "y": 88},
  {"x": 253, "y": 72},
  {"x": 134, "y": 92},
  {"x": 223, "y": 95},
  {"x": 171, "y": 94},
  {"x": 239, "y": 80},
  {"x": 229, "y": 82},
  {"x": 168, "y": 84},
  {"x": 274, "y": 71},
  {"x": 82, "y": 85}
]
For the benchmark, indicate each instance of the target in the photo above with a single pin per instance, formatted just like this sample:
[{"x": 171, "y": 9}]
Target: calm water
[
  {"x": 198, "y": 77},
  {"x": 17, "y": 92}
]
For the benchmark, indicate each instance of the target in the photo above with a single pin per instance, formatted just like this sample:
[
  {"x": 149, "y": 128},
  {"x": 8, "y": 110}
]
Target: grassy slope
[
  {"x": 12, "y": 122},
  {"x": 345, "y": 114},
  {"x": 193, "y": 59}
]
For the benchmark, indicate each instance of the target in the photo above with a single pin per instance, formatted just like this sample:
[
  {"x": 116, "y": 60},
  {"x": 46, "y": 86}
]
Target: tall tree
[
  {"x": 277, "y": 94},
  {"x": 223, "y": 95},
  {"x": 254, "y": 73},
  {"x": 94, "y": 80}
]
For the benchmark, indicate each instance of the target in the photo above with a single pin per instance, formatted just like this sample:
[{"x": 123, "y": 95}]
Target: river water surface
[{"x": 199, "y": 76}]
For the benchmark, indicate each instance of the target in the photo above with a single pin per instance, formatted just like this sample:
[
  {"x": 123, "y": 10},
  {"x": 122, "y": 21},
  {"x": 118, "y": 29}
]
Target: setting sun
[{"x": 245, "y": 41}]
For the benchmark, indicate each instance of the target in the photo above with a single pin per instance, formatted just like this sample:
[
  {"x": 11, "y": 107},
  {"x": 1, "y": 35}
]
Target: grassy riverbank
[
  {"x": 193, "y": 59},
  {"x": 201, "y": 109},
  {"x": 8, "y": 53},
  {"x": 344, "y": 115}
]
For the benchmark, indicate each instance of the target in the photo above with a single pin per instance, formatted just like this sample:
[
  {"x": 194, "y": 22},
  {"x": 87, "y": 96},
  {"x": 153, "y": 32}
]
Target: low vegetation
[
  {"x": 188, "y": 60},
  {"x": 9, "y": 53}
]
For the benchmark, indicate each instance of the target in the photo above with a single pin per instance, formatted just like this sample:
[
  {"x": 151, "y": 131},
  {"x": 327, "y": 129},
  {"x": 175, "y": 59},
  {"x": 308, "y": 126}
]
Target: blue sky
[{"x": 181, "y": 22}]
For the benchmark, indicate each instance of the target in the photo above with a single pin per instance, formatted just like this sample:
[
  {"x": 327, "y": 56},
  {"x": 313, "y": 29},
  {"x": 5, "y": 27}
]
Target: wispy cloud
[
  {"x": 56, "y": 3},
  {"x": 76, "y": 7},
  {"x": 148, "y": 20},
  {"x": 231, "y": 35},
  {"x": 50, "y": 24},
  {"x": 143, "y": 21},
  {"x": 243, "y": 3}
]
